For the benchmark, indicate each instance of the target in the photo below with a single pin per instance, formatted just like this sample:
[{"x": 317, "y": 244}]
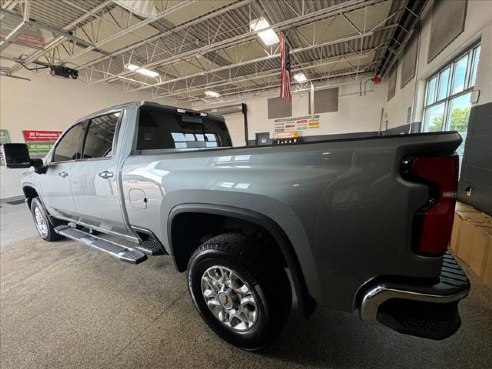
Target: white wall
[
  {"x": 355, "y": 113},
  {"x": 235, "y": 125},
  {"x": 478, "y": 24},
  {"x": 484, "y": 72},
  {"x": 48, "y": 103}
]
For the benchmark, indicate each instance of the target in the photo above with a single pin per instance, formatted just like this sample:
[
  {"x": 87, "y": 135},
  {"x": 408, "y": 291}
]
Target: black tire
[
  {"x": 260, "y": 271},
  {"x": 47, "y": 234}
]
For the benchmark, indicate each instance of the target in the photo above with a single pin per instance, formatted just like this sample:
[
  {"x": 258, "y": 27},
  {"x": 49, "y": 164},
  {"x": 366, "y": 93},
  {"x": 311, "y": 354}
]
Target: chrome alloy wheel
[
  {"x": 40, "y": 222},
  {"x": 229, "y": 298}
]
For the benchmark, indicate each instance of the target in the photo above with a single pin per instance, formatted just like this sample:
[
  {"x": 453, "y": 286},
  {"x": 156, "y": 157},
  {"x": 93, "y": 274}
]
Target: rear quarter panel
[{"x": 342, "y": 204}]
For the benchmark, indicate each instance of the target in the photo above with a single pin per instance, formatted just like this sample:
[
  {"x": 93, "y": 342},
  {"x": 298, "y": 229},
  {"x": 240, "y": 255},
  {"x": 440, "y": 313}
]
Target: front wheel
[
  {"x": 240, "y": 290},
  {"x": 45, "y": 228}
]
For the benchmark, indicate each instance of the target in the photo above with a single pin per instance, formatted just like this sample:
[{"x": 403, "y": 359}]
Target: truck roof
[{"x": 137, "y": 104}]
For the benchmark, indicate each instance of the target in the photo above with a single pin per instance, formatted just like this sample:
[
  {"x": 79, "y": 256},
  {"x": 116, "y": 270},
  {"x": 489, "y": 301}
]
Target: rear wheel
[
  {"x": 240, "y": 290},
  {"x": 45, "y": 228}
]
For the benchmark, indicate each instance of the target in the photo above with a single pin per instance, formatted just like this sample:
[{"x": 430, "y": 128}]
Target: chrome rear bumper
[
  {"x": 377, "y": 296},
  {"x": 418, "y": 304}
]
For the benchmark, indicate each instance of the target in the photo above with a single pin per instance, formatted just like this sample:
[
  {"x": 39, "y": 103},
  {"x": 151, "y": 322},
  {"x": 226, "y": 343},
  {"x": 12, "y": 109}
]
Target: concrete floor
[{"x": 64, "y": 305}]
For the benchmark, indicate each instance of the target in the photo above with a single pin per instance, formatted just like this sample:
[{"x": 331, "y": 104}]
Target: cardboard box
[
  {"x": 480, "y": 249},
  {"x": 462, "y": 208},
  {"x": 487, "y": 271},
  {"x": 465, "y": 211},
  {"x": 471, "y": 240},
  {"x": 481, "y": 219},
  {"x": 486, "y": 274},
  {"x": 455, "y": 235},
  {"x": 465, "y": 241}
]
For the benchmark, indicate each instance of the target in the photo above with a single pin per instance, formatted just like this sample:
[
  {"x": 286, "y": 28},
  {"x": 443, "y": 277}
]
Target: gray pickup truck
[{"x": 356, "y": 225}]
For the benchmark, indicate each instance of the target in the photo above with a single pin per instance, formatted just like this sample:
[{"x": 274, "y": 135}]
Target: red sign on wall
[{"x": 35, "y": 135}]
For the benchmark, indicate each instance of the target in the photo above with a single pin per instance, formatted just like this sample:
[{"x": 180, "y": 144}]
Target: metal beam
[
  {"x": 131, "y": 29},
  {"x": 352, "y": 24},
  {"x": 10, "y": 4},
  {"x": 197, "y": 102},
  {"x": 271, "y": 73},
  {"x": 26, "y": 45},
  {"x": 252, "y": 61},
  {"x": 60, "y": 39},
  {"x": 277, "y": 84},
  {"x": 290, "y": 23},
  {"x": 57, "y": 32},
  {"x": 173, "y": 30},
  {"x": 17, "y": 31},
  {"x": 245, "y": 37},
  {"x": 406, "y": 23}
]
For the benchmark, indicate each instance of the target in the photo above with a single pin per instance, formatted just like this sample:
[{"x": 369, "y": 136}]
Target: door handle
[
  {"x": 106, "y": 174},
  {"x": 63, "y": 174}
]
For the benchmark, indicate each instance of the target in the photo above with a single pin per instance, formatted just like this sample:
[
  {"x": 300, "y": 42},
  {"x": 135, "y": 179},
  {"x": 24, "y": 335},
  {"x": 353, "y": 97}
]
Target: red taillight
[{"x": 434, "y": 222}]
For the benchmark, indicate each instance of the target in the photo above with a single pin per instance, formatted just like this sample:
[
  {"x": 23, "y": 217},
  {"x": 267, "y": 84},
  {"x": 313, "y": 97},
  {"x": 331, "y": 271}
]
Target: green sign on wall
[
  {"x": 4, "y": 138},
  {"x": 39, "y": 148}
]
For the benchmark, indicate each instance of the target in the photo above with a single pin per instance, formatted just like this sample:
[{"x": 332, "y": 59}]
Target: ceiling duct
[
  {"x": 142, "y": 8},
  {"x": 224, "y": 110}
]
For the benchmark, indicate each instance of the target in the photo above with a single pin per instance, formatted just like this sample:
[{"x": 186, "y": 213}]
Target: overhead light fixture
[
  {"x": 143, "y": 71},
  {"x": 211, "y": 93},
  {"x": 268, "y": 36},
  {"x": 300, "y": 78}
]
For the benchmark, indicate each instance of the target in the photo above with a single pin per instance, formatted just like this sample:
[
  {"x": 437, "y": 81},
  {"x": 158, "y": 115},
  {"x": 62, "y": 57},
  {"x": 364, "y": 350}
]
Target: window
[
  {"x": 185, "y": 140},
  {"x": 68, "y": 147},
  {"x": 442, "y": 92},
  {"x": 164, "y": 129},
  {"x": 100, "y": 135},
  {"x": 434, "y": 115},
  {"x": 447, "y": 98}
]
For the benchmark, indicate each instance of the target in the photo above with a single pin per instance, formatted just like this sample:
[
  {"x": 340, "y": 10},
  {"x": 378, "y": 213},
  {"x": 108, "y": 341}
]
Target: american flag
[{"x": 285, "y": 70}]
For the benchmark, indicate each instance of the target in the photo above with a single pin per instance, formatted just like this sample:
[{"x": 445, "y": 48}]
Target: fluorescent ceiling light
[
  {"x": 300, "y": 78},
  {"x": 268, "y": 36},
  {"x": 211, "y": 93},
  {"x": 145, "y": 72}
]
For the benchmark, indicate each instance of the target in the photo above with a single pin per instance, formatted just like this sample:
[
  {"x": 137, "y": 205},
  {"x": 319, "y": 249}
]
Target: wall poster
[
  {"x": 40, "y": 142},
  {"x": 296, "y": 124}
]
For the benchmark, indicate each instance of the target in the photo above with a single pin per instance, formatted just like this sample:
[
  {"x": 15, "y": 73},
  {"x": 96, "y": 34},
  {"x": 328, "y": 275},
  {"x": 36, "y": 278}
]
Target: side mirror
[{"x": 17, "y": 156}]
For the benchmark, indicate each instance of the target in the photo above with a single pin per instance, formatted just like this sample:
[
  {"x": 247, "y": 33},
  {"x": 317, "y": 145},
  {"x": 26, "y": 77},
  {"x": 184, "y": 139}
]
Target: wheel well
[
  {"x": 188, "y": 230},
  {"x": 30, "y": 193}
]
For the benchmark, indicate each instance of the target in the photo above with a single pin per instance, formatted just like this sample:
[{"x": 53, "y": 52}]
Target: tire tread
[
  {"x": 52, "y": 235},
  {"x": 259, "y": 265}
]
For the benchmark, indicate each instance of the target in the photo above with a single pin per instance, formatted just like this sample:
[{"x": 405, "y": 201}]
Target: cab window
[
  {"x": 68, "y": 147},
  {"x": 100, "y": 136}
]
